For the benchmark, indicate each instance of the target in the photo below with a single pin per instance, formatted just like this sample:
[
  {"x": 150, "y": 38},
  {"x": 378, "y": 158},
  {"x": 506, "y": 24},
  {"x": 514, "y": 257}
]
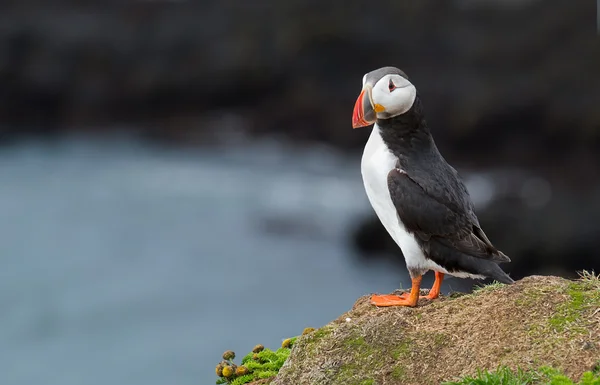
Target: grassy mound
[{"x": 537, "y": 322}]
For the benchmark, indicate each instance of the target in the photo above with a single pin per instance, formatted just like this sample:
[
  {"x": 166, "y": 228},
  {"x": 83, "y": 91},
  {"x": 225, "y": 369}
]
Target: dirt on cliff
[{"x": 538, "y": 321}]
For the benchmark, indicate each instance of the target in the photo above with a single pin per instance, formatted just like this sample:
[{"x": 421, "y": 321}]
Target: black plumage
[{"x": 432, "y": 201}]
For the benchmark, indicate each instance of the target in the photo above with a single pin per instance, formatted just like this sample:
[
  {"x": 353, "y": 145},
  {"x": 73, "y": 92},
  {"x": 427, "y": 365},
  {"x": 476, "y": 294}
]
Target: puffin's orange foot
[
  {"x": 393, "y": 300},
  {"x": 431, "y": 295}
]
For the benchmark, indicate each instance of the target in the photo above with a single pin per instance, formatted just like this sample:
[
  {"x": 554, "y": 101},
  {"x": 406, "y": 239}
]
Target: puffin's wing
[{"x": 429, "y": 216}]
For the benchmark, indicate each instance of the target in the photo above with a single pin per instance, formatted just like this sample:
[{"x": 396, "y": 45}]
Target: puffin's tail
[
  {"x": 492, "y": 270},
  {"x": 456, "y": 261}
]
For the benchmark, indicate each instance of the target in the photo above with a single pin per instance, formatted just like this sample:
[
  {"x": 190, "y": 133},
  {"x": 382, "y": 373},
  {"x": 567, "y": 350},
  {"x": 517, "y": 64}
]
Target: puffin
[{"x": 419, "y": 198}]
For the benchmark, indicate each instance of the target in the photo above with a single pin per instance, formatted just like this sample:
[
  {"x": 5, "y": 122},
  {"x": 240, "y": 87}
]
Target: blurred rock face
[{"x": 504, "y": 83}]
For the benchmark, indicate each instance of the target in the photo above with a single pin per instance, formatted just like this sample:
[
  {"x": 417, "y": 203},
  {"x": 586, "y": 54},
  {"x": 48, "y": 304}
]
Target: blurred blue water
[{"x": 129, "y": 264}]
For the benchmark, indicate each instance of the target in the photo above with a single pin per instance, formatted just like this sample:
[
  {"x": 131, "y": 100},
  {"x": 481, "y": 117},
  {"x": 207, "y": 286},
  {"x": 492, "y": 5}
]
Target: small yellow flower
[
  {"x": 286, "y": 343},
  {"x": 219, "y": 370},
  {"x": 255, "y": 357},
  {"x": 228, "y": 371},
  {"x": 241, "y": 370},
  {"x": 308, "y": 330}
]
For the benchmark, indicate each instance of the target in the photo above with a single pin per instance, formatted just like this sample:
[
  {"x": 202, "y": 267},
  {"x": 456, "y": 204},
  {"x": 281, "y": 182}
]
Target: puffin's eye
[{"x": 391, "y": 85}]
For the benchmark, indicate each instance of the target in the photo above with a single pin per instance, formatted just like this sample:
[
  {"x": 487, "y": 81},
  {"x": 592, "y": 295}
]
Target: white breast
[{"x": 377, "y": 162}]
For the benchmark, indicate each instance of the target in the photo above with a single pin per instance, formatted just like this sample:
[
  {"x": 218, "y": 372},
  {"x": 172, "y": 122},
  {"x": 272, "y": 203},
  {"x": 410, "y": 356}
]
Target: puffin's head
[{"x": 386, "y": 93}]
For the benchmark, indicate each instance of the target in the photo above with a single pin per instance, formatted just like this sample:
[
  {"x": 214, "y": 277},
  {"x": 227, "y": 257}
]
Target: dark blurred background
[{"x": 178, "y": 178}]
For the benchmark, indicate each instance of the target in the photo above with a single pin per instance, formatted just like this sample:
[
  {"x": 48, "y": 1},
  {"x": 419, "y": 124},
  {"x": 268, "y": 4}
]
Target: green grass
[
  {"x": 264, "y": 364},
  {"x": 583, "y": 294},
  {"x": 543, "y": 376},
  {"x": 320, "y": 333},
  {"x": 402, "y": 350},
  {"x": 355, "y": 343},
  {"x": 489, "y": 287},
  {"x": 398, "y": 373}
]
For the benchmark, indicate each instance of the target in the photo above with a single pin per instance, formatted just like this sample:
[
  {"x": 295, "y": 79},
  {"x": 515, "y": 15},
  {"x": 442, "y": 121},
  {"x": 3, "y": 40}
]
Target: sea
[{"x": 131, "y": 263}]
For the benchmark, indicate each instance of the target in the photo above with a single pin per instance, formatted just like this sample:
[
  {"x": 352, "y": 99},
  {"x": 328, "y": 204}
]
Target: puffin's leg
[
  {"x": 437, "y": 284},
  {"x": 395, "y": 300},
  {"x": 435, "y": 289}
]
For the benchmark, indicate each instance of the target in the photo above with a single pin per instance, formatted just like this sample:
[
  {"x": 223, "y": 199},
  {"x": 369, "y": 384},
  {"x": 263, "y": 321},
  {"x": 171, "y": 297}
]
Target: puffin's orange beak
[{"x": 363, "y": 114}]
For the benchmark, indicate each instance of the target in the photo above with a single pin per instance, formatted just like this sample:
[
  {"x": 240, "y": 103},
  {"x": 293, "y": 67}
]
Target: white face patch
[
  {"x": 395, "y": 93},
  {"x": 364, "y": 79}
]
